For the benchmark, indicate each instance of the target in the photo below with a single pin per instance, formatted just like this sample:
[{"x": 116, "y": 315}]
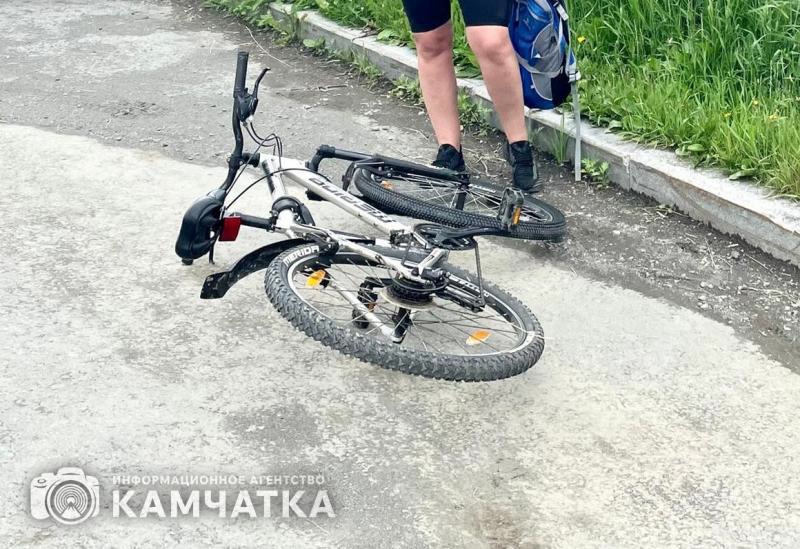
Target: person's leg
[
  {"x": 433, "y": 36},
  {"x": 487, "y": 33},
  {"x": 500, "y": 70},
  {"x": 437, "y": 79}
]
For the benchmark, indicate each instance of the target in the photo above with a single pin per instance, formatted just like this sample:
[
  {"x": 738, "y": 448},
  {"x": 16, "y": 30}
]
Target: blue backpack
[
  {"x": 539, "y": 30},
  {"x": 540, "y": 33}
]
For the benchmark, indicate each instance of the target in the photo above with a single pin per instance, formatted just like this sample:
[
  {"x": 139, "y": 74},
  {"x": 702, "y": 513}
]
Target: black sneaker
[
  {"x": 526, "y": 178},
  {"x": 451, "y": 158}
]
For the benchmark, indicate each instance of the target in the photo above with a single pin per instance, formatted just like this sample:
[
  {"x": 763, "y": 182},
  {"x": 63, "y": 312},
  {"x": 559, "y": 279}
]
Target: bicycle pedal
[{"x": 510, "y": 210}]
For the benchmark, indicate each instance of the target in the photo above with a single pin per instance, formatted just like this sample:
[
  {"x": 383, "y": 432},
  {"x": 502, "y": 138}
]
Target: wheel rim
[
  {"x": 443, "y": 327},
  {"x": 477, "y": 199}
]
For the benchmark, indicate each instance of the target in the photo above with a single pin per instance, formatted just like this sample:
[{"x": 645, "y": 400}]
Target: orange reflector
[
  {"x": 316, "y": 278},
  {"x": 387, "y": 185},
  {"x": 516, "y": 216},
  {"x": 477, "y": 337}
]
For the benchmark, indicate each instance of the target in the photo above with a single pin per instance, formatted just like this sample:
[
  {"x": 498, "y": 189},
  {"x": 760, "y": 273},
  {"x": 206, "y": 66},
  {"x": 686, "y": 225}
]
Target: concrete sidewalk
[{"x": 649, "y": 421}]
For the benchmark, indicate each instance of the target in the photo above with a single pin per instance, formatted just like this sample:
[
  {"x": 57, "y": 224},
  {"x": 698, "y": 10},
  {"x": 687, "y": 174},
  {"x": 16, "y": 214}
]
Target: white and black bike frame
[
  {"x": 286, "y": 218},
  {"x": 208, "y": 221}
]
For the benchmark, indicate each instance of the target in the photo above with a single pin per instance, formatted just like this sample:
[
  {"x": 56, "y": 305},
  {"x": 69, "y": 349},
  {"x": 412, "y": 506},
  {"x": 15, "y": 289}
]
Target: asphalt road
[{"x": 656, "y": 417}]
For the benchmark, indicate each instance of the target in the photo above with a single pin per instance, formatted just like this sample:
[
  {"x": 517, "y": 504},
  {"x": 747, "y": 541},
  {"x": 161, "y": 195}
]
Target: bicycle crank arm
[{"x": 449, "y": 238}]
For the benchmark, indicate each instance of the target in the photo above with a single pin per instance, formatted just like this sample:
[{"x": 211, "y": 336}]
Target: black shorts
[{"x": 426, "y": 15}]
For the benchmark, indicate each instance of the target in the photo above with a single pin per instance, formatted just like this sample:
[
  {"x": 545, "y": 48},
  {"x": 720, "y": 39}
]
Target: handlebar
[
  {"x": 326, "y": 151},
  {"x": 241, "y": 74},
  {"x": 235, "y": 160},
  {"x": 245, "y": 101}
]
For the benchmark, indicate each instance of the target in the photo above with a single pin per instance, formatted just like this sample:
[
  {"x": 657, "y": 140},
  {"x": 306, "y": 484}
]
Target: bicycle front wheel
[
  {"x": 349, "y": 303},
  {"x": 455, "y": 204}
]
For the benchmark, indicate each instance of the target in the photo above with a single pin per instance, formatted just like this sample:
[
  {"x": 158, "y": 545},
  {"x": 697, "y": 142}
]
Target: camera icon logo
[{"x": 68, "y": 496}]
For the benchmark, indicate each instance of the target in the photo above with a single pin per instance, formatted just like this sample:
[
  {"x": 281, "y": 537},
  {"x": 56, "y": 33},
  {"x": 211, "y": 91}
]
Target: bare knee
[
  {"x": 435, "y": 43},
  {"x": 491, "y": 44}
]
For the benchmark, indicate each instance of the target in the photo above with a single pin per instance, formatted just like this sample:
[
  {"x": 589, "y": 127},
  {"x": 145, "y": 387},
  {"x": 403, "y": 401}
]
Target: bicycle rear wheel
[
  {"x": 456, "y": 204},
  {"x": 350, "y": 303}
]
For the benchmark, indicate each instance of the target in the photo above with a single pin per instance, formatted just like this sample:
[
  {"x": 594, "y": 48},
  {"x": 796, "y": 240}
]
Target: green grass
[
  {"x": 596, "y": 171},
  {"x": 716, "y": 80}
]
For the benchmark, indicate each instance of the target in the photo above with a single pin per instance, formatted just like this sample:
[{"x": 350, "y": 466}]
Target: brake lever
[
  {"x": 264, "y": 71},
  {"x": 248, "y": 102}
]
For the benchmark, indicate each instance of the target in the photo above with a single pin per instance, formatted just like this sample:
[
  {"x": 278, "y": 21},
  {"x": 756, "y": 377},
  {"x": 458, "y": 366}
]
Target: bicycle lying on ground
[{"x": 393, "y": 301}]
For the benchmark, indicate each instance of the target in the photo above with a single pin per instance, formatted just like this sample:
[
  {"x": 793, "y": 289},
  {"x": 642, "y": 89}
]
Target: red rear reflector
[{"x": 230, "y": 228}]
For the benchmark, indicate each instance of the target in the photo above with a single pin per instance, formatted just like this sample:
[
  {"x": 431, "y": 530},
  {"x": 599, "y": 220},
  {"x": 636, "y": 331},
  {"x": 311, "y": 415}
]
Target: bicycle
[{"x": 393, "y": 301}]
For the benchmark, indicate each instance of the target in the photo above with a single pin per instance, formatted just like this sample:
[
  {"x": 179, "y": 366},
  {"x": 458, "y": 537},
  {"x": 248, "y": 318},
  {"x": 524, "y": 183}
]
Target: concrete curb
[{"x": 771, "y": 224}]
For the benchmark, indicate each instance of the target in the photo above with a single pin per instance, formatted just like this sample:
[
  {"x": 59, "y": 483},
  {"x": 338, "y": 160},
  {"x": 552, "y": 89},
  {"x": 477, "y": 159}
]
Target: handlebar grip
[{"x": 241, "y": 73}]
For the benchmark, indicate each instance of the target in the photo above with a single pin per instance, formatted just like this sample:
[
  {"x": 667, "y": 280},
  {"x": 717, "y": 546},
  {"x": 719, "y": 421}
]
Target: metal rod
[
  {"x": 576, "y": 107},
  {"x": 480, "y": 274}
]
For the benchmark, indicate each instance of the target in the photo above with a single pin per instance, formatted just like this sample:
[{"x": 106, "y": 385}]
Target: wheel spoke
[
  {"x": 442, "y": 192},
  {"x": 441, "y": 327}
]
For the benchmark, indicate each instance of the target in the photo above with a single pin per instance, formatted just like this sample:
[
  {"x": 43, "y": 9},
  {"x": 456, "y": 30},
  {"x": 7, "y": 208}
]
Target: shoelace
[
  {"x": 522, "y": 159},
  {"x": 448, "y": 159}
]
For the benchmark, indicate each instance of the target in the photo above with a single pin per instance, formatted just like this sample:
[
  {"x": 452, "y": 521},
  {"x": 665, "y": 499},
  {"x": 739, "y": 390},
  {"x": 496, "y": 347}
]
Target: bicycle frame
[
  {"x": 276, "y": 168},
  {"x": 205, "y": 222}
]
